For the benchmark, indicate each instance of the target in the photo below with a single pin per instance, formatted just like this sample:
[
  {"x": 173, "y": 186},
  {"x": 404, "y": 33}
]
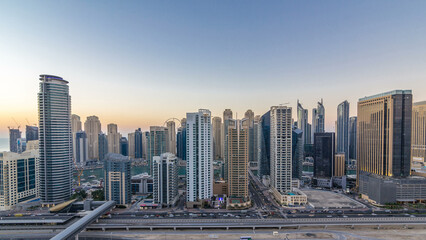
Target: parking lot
[{"x": 327, "y": 199}]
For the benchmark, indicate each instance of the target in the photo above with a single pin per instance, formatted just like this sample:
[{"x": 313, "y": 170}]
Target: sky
[{"x": 139, "y": 63}]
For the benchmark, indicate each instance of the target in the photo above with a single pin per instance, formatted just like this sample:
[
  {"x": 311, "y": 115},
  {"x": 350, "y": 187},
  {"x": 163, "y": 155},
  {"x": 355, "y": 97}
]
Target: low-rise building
[
  {"x": 382, "y": 190},
  {"x": 18, "y": 177},
  {"x": 295, "y": 197},
  {"x": 142, "y": 184}
]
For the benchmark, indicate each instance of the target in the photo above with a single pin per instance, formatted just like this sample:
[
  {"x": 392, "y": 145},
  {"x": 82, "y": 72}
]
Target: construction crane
[
  {"x": 17, "y": 124},
  {"x": 79, "y": 172}
]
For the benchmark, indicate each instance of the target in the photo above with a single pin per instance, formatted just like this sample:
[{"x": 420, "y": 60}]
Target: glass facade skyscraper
[
  {"x": 103, "y": 146},
  {"x": 55, "y": 145},
  {"x": 352, "y": 137},
  {"x": 342, "y": 129},
  {"x": 31, "y": 133},
  {"x": 138, "y": 143}
]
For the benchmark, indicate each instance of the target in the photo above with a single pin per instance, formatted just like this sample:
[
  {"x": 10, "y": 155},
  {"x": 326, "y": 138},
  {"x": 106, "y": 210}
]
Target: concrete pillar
[
  {"x": 76, "y": 237},
  {"x": 325, "y": 226},
  {"x": 150, "y": 228},
  {"x": 103, "y": 229},
  {"x": 227, "y": 228},
  {"x": 127, "y": 228}
]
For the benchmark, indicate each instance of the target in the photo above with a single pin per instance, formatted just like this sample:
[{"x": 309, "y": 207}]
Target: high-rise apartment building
[
  {"x": 238, "y": 159},
  {"x": 418, "y": 135},
  {"x": 342, "y": 129},
  {"x": 92, "y": 127},
  {"x": 302, "y": 122},
  {"x": 249, "y": 115},
  {"x": 158, "y": 143},
  {"x": 103, "y": 146},
  {"x": 113, "y": 138},
  {"x": 14, "y": 135},
  {"x": 75, "y": 123},
  {"x": 117, "y": 178},
  {"x": 324, "y": 148},
  {"x": 19, "y": 176},
  {"x": 352, "y": 137},
  {"x": 81, "y": 148},
  {"x": 217, "y": 137},
  {"x": 138, "y": 143},
  {"x": 124, "y": 146},
  {"x": 281, "y": 148},
  {"x": 165, "y": 179},
  {"x": 171, "y": 127},
  {"x": 55, "y": 140},
  {"x": 199, "y": 153},
  {"x": 31, "y": 133}
]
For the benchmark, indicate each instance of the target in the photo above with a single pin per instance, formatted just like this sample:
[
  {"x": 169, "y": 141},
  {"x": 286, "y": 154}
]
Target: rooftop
[
  {"x": 47, "y": 77},
  {"x": 394, "y": 92}
]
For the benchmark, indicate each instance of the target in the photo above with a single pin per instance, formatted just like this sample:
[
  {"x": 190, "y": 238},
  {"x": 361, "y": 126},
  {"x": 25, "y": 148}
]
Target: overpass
[{"x": 81, "y": 224}]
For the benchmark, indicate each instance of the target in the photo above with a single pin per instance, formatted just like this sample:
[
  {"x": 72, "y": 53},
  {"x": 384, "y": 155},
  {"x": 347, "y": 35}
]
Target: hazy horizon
[{"x": 138, "y": 64}]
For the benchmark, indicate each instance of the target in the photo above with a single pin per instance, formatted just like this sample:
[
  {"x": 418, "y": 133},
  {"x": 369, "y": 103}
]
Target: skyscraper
[
  {"x": 55, "y": 139},
  {"x": 297, "y": 153},
  {"x": 75, "y": 127},
  {"x": 302, "y": 122},
  {"x": 199, "y": 166},
  {"x": 103, "y": 146},
  {"x": 138, "y": 143},
  {"x": 92, "y": 127},
  {"x": 181, "y": 140},
  {"x": 14, "y": 135},
  {"x": 31, "y": 133},
  {"x": 384, "y": 134},
  {"x": 145, "y": 136},
  {"x": 131, "y": 143},
  {"x": 238, "y": 151},
  {"x": 81, "y": 148},
  {"x": 124, "y": 146},
  {"x": 217, "y": 139},
  {"x": 318, "y": 118},
  {"x": 255, "y": 164},
  {"x": 75, "y": 123},
  {"x": 158, "y": 143},
  {"x": 171, "y": 126},
  {"x": 165, "y": 176},
  {"x": 227, "y": 120},
  {"x": 342, "y": 129},
  {"x": 418, "y": 136},
  {"x": 117, "y": 178},
  {"x": 384, "y": 149},
  {"x": 324, "y": 146},
  {"x": 281, "y": 148},
  {"x": 352, "y": 137},
  {"x": 249, "y": 116},
  {"x": 113, "y": 138},
  {"x": 265, "y": 145}
]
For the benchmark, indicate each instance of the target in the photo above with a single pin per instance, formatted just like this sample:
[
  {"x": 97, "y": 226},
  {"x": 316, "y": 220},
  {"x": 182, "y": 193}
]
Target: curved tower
[{"x": 54, "y": 114}]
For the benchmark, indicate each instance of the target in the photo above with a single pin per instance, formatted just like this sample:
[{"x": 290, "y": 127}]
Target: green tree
[{"x": 98, "y": 195}]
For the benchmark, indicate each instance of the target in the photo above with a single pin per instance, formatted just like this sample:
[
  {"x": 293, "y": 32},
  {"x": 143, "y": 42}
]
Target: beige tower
[
  {"x": 339, "y": 165},
  {"x": 92, "y": 127},
  {"x": 171, "y": 126},
  {"x": 382, "y": 121},
  {"x": 113, "y": 138},
  {"x": 418, "y": 135},
  {"x": 131, "y": 139},
  {"x": 217, "y": 137},
  {"x": 238, "y": 135},
  {"x": 75, "y": 127},
  {"x": 249, "y": 114},
  {"x": 75, "y": 123}
]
